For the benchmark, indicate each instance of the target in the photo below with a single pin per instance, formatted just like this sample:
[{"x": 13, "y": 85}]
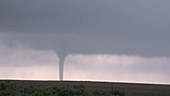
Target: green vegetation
[{"x": 11, "y": 89}]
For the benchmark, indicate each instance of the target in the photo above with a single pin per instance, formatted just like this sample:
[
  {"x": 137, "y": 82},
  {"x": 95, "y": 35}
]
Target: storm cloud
[
  {"x": 110, "y": 26},
  {"x": 86, "y": 27}
]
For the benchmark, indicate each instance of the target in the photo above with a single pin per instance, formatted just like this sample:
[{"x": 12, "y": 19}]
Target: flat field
[{"x": 130, "y": 89}]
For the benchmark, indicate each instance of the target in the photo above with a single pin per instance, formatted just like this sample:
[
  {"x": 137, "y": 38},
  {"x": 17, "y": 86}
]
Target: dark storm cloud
[{"x": 138, "y": 27}]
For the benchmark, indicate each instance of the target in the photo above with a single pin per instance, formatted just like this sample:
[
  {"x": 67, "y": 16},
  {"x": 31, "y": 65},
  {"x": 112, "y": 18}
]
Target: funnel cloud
[{"x": 61, "y": 57}]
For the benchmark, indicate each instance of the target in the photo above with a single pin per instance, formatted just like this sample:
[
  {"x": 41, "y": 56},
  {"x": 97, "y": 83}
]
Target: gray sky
[
  {"x": 121, "y": 27},
  {"x": 87, "y": 27}
]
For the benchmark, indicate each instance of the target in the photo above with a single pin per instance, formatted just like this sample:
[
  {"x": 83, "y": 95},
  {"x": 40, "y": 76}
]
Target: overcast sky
[{"x": 130, "y": 35}]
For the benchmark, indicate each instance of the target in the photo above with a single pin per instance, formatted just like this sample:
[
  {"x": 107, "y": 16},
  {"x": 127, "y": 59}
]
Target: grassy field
[{"x": 78, "y": 88}]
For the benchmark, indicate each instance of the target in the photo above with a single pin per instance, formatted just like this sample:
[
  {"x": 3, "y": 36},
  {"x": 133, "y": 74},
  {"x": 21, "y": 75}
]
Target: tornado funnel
[
  {"x": 61, "y": 67},
  {"x": 61, "y": 58}
]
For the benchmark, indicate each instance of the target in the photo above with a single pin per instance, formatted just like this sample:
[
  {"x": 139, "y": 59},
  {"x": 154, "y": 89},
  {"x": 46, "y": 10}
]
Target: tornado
[{"x": 61, "y": 58}]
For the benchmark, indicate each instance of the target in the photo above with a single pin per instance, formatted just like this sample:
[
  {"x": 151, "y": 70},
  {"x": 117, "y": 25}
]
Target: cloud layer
[
  {"x": 120, "y": 27},
  {"x": 124, "y": 37}
]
